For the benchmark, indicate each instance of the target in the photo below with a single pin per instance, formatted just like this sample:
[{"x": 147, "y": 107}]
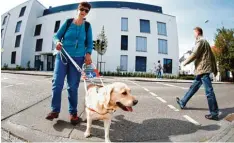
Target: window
[
  {"x": 144, "y": 26},
  {"x": 17, "y": 41},
  {"x": 37, "y": 62},
  {"x": 162, "y": 29},
  {"x": 38, "y": 30},
  {"x": 140, "y": 64},
  {"x": 1, "y": 32},
  {"x": 22, "y": 11},
  {"x": 162, "y": 46},
  {"x": 39, "y": 45},
  {"x": 124, "y": 42},
  {"x": 141, "y": 44},
  {"x": 13, "y": 56},
  {"x": 18, "y": 25},
  {"x": 167, "y": 65},
  {"x": 124, "y": 24},
  {"x": 4, "y": 20},
  {"x": 124, "y": 63},
  {"x": 56, "y": 27}
]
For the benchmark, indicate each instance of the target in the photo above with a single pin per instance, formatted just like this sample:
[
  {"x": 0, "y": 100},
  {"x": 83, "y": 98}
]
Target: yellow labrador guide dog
[{"x": 102, "y": 101}]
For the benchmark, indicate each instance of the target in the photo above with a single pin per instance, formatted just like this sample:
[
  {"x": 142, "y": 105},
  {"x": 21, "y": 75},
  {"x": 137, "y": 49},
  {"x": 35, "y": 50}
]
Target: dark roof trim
[{"x": 106, "y": 4}]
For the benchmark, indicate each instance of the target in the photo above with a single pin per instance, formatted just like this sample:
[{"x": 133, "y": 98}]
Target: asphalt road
[{"x": 26, "y": 101}]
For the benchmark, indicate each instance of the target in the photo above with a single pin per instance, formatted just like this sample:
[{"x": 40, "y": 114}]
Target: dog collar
[{"x": 111, "y": 111}]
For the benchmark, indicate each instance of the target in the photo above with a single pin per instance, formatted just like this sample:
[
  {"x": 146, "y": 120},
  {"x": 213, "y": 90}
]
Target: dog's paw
[
  {"x": 87, "y": 134},
  {"x": 108, "y": 141}
]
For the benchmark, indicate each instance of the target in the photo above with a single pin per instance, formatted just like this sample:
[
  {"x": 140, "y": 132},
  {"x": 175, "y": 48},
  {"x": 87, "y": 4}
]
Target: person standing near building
[
  {"x": 205, "y": 64},
  {"x": 158, "y": 70},
  {"x": 79, "y": 44}
]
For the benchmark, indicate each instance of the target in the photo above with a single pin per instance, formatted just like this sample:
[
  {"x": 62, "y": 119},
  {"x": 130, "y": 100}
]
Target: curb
[
  {"x": 224, "y": 135},
  {"x": 140, "y": 80},
  {"x": 23, "y": 73},
  {"x": 174, "y": 81},
  {"x": 8, "y": 136}
]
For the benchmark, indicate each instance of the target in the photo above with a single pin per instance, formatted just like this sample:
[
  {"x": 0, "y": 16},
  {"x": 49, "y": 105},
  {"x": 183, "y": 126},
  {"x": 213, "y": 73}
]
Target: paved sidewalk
[
  {"x": 50, "y": 73},
  {"x": 226, "y": 135}
]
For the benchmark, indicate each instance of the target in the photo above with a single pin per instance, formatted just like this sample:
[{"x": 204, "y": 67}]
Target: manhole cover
[{"x": 230, "y": 117}]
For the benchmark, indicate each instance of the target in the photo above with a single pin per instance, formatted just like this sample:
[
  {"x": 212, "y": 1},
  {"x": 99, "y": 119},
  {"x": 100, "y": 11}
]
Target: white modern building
[
  {"x": 138, "y": 35},
  {"x": 188, "y": 69}
]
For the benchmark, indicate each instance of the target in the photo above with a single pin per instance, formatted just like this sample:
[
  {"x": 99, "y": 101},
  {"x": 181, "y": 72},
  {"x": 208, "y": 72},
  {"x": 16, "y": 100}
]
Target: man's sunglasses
[{"x": 86, "y": 10}]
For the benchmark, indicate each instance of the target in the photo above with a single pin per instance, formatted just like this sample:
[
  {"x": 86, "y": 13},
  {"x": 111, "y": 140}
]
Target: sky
[{"x": 189, "y": 14}]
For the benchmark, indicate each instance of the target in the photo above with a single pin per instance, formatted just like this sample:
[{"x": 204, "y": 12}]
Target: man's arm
[{"x": 196, "y": 52}]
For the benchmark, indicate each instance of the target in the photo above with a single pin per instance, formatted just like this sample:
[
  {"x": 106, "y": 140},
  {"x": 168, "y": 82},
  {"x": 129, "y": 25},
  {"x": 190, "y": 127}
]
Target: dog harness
[{"x": 110, "y": 111}]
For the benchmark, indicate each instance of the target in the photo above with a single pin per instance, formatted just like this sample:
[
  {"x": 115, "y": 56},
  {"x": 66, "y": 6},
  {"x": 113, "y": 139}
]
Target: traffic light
[
  {"x": 94, "y": 45},
  {"x": 98, "y": 41},
  {"x": 102, "y": 45}
]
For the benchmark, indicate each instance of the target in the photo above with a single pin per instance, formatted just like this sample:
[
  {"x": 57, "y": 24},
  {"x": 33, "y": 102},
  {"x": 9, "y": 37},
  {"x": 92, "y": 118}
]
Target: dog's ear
[{"x": 109, "y": 90}]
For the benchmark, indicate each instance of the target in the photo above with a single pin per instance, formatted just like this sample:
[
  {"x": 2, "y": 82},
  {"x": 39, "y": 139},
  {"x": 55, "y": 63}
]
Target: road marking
[
  {"x": 4, "y": 78},
  {"x": 134, "y": 83},
  {"x": 191, "y": 119},
  {"x": 19, "y": 83},
  {"x": 173, "y": 108},
  {"x": 164, "y": 101},
  {"x": 8, "y": 86},
  {"x": 153, "y": 94},
  {"x": 145, "y": 89},
  {"x": 185, "y": 88}
]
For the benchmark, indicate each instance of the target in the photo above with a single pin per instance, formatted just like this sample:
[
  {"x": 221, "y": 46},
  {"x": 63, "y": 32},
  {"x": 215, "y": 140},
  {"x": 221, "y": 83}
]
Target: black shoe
[
  {"x": 179, "y": 103},
  {"x": 210, "y": 117}
]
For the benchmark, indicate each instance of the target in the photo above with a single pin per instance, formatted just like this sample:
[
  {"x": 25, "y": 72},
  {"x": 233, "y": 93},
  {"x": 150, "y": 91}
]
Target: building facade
[
  {"x": 188, "y": 69},
  {"x": 138, "y": 35}
]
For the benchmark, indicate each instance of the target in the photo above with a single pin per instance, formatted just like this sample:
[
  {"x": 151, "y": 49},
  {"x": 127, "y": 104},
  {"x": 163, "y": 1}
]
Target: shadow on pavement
[
  {"x": 60, "y": 125},
  {"x": 224, "y": 111},
  {"x": 123, "y": 130}
]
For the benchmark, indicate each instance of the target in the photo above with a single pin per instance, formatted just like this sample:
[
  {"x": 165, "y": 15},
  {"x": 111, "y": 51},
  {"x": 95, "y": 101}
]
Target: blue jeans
[
  {"x": 73, "y": 79},
  {"x": 206, "y": 81},
  {"x": 159, "y": 74}
]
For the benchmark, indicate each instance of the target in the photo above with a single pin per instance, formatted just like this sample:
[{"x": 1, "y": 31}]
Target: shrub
[
  {"x": 28, "y": 65},
  {"x": 5, "y": 66}
]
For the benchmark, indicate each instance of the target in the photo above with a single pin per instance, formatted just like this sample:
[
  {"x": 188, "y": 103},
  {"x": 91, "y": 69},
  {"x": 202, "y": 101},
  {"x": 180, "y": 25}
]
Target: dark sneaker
[
  {"x": 210, "y": 117},
  {"x": 52, "y": 115},
  {"x": 179, "y": 103},
  {"x": 74, "y": 119}
]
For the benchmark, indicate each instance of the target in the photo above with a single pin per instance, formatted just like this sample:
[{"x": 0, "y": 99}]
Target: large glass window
[
  {"x": 144, "y": 26},
  {"x": 17, "y": 41},
  {"x": 162, "y": 46},
  {"x": 124, "y": 24},
  {"x": 167, "y": 65},
  {"x": 56, "y": 27},
  {"x": 162, "y": 29},
  {"x": 22, "y": 11},
  {"x": 18, "y": 25},
  {"x": 124, "y": 63},
  {"x": 39, "y": 45},
  {"x": 13, "y": 57},
  {"x": 140, "y": 65},
  {"x": 37, "y": 30},
  {"x": 124, "y": 42},
  {"x": 141, "y": 44}
]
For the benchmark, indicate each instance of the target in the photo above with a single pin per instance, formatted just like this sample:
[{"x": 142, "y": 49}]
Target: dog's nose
[{"x": 135, "y": 102}]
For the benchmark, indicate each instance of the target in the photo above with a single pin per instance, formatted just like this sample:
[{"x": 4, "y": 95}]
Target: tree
[
  {"x": 224, "y": 52},
  {"x": 102, "y": 45}
]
